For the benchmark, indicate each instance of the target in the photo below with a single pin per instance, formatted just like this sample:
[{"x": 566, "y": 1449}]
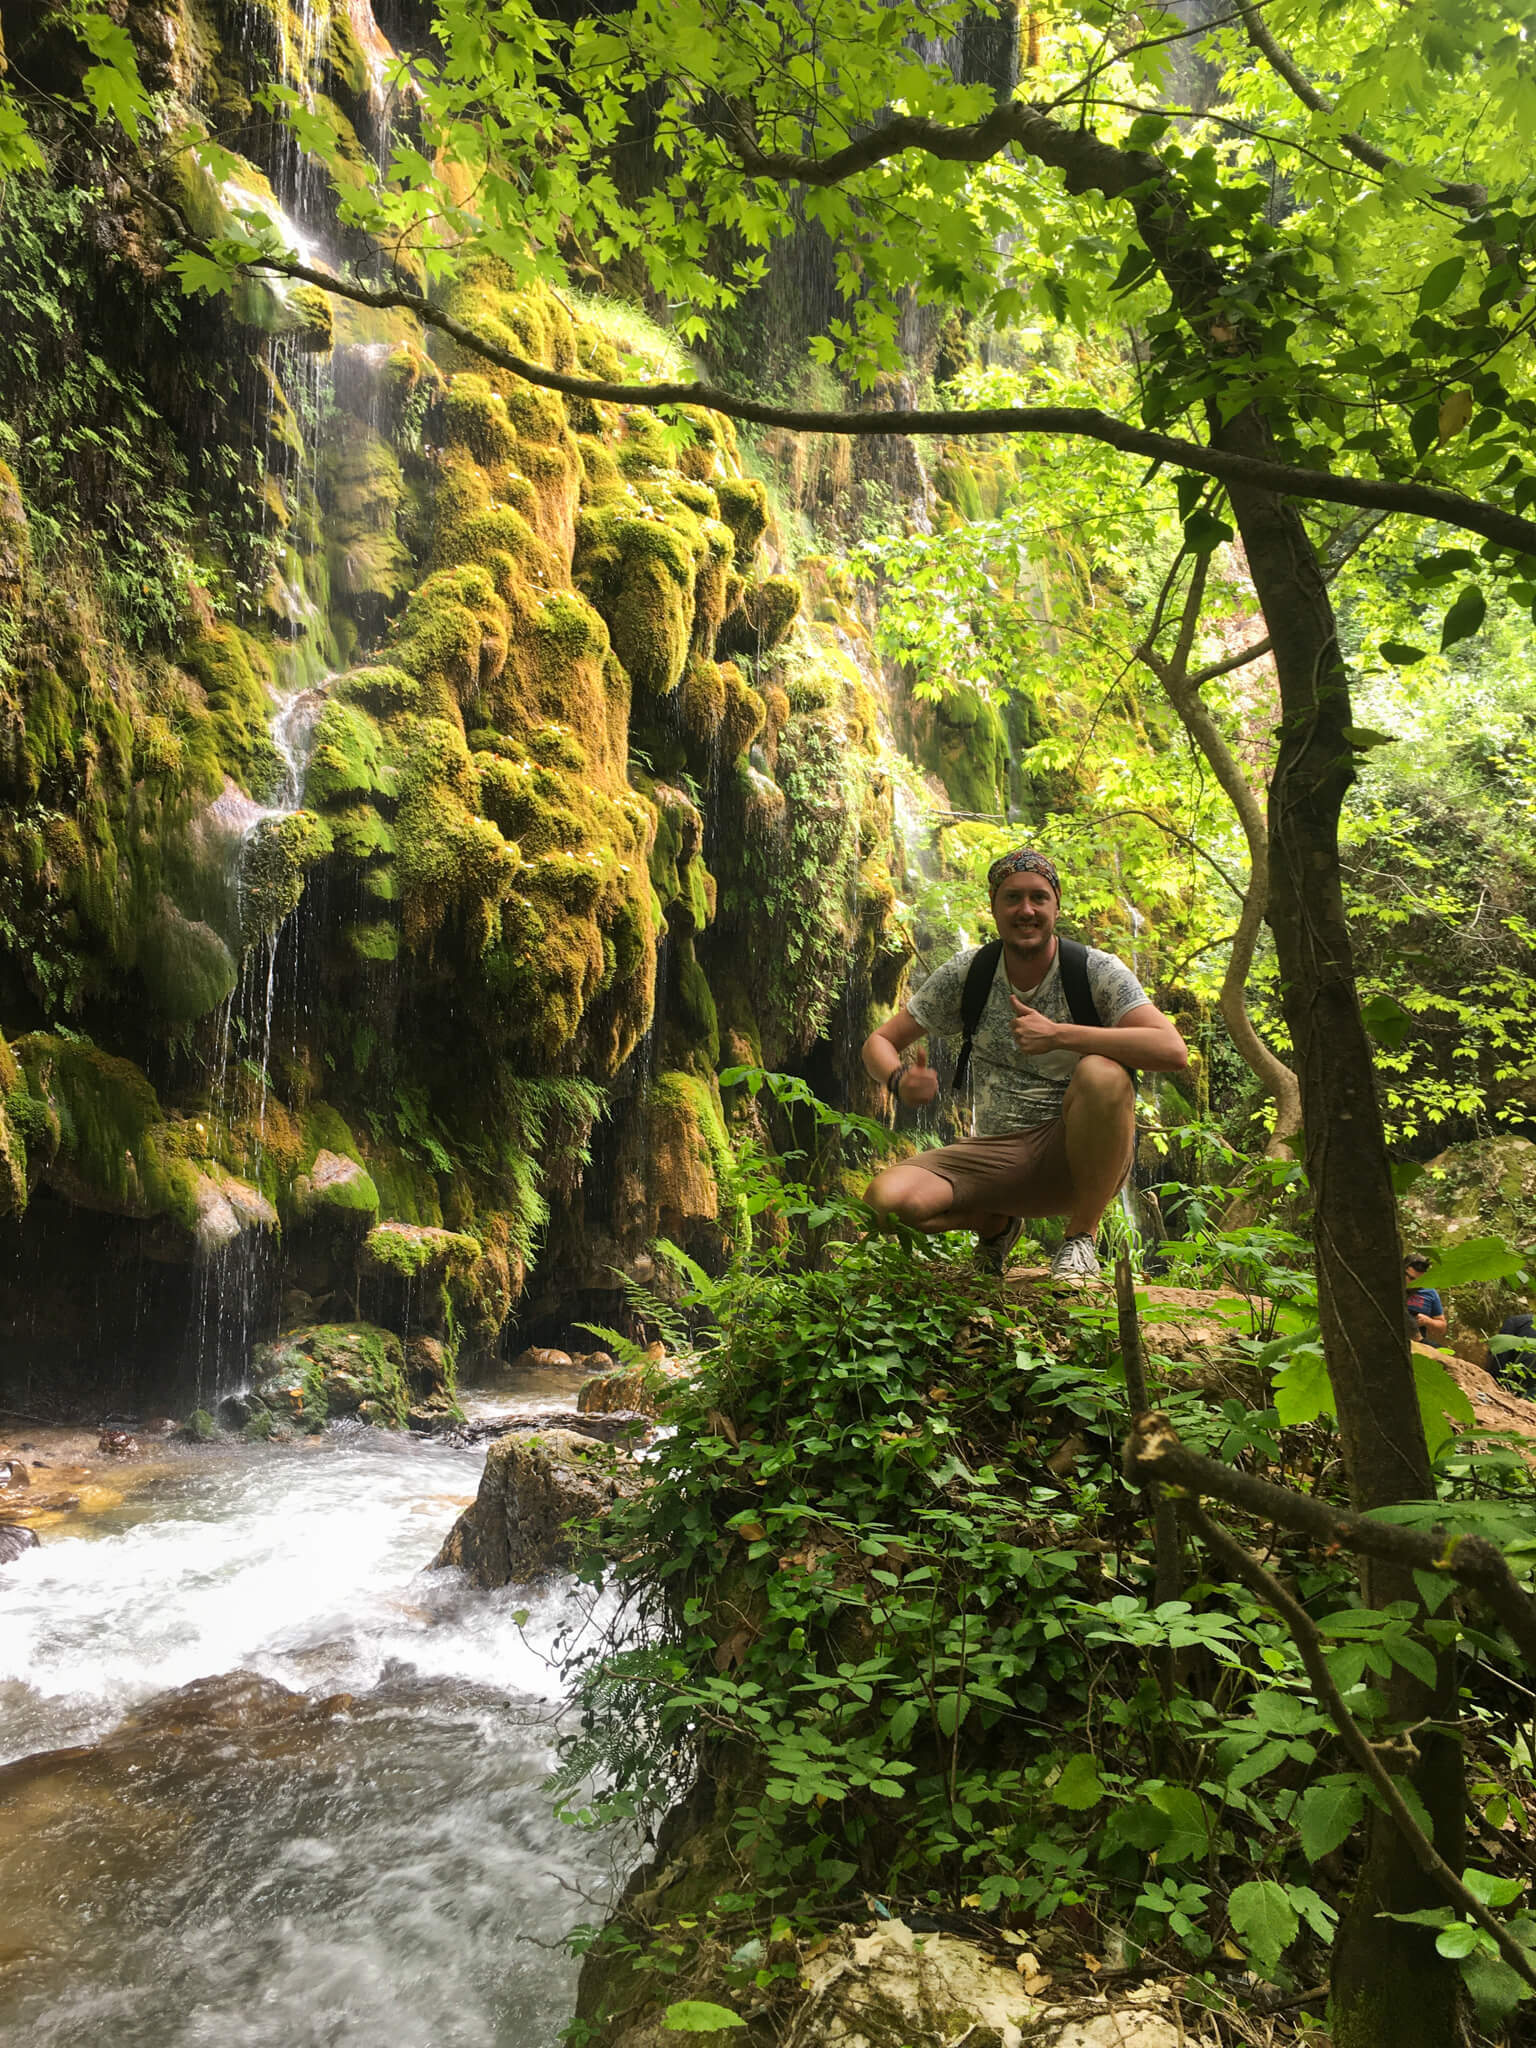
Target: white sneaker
[{"x": 1076, "y": 1263}]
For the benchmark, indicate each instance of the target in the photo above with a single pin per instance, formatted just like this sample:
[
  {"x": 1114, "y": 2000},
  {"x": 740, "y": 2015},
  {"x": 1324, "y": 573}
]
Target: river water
[{"x": 348, "y": 1841}]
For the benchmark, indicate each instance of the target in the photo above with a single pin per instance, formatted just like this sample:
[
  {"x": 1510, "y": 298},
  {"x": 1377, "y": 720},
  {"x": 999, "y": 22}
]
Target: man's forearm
[
  {"x": 881, "y": 1059},
  {"x": 1146, "y": 1046}
]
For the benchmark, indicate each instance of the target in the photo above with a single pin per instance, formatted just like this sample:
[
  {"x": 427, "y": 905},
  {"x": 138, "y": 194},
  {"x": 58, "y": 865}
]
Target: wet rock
[
  {"x": 14, "y": 1473},
  {"x": 638, "y": 1390},
  {"x": 118, "y": 1443},
  {"x": 597, "y": 1361},
  {"x": 333, "y": 1369},
  {"x": 535, "y": 1483},
  {"x": 14, "y": 1539},
  {"x": 226, "y": 1208},
  {"x": 338, "y": 1188},
  {"x": 236, "y": 1410},
  {"x": 199, "y": 1428},
  {"x": 542, "y": 1358}
]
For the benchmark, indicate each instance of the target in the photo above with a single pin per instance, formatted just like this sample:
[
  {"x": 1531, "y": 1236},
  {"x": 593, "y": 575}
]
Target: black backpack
[{"x": 1071, "y": 958}]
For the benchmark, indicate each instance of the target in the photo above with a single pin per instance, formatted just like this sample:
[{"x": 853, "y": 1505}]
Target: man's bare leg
[
  {"x": 1100, "y": 1118},
  {"x": 926, "y": 1201}
]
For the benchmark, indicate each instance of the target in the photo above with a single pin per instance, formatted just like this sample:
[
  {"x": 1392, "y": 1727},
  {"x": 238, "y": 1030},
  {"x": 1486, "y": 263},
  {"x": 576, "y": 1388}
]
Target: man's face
[
  {"x": 1025, "y": 910},
  {"x": 1414, "y": 1272}
]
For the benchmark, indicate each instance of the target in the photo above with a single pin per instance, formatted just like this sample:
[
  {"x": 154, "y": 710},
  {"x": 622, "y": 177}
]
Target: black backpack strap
[
  {"x": 1072, "y": 959},
  {"x": 979, "y": 977}
]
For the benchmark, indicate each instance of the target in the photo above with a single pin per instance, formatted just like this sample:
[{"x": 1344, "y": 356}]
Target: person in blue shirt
[{"x": 1426, "y": 1311}]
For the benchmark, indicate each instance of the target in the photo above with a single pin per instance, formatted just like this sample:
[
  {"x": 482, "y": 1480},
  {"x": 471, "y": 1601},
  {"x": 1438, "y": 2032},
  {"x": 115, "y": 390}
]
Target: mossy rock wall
[{"x": 593, "y": 799}]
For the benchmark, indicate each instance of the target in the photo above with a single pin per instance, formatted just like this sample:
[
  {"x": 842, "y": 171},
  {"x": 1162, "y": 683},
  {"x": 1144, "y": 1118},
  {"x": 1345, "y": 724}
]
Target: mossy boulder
[
  {"x": 337, "y": 1189},
  {"x": 276, "y": 859},
  {"x": 95, "y": 1130},
  {"x": 13, "y": 1149},
  {"x": 185, "y": 965},
  {"x": 1485, "y": 1188},
  {"x": 329, "y": 1370}
]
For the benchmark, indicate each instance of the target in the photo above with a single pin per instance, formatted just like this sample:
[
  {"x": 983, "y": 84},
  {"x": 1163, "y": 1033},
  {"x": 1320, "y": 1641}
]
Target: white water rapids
[{"x": 381, "y": 1868}]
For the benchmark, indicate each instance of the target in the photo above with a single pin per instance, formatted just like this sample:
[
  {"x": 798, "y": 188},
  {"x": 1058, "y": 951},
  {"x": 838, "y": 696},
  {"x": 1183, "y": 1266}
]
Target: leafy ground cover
[{"x": 891, "y": 1604}]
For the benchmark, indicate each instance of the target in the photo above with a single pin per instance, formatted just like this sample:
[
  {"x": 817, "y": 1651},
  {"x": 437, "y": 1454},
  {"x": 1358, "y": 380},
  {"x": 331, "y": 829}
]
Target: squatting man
[{"x": 1054, "y": 1115}]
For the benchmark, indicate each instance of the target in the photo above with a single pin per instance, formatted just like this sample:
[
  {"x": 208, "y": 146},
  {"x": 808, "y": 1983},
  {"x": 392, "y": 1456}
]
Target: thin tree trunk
[
  {"x": 1183, "y": 693},
  {"x": 1390, "y": 1988}
]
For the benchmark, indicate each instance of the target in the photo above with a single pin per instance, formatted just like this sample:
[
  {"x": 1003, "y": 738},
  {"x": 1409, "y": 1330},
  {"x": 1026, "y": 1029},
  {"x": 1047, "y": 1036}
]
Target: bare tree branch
[
  {"x": 1470, "y": 198},
  {"x": 1287, "y": 479},
  {"x": 1153, "y": 1451}
]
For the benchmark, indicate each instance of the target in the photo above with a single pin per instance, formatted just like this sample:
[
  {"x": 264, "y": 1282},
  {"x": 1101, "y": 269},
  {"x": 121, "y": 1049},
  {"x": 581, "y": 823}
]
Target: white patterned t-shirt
[{"x": 1010, "y": 1091}]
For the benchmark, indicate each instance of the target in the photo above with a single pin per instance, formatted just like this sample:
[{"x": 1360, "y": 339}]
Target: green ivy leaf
[
  {"x": 1401, "y": 654},
  {"x": 699, "y": 2016},
  {"x": 1464, "y": 617},
  {"x": 1441, "y": 282},
  {"x": 1328, "y": 1811},
  {"x": 1386, "y": 1020},
  {"x": 1264, "y": 1919},
  {"x": 1079, "y": 1785}
]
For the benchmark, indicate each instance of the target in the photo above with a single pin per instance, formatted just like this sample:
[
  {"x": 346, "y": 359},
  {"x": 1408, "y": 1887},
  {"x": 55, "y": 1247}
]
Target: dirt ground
[{"x": 1188, "y": 1325}]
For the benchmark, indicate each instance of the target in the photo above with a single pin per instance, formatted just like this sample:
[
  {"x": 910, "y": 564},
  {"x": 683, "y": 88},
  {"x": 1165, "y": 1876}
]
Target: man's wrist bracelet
[{"x": 893, "y": 1084}]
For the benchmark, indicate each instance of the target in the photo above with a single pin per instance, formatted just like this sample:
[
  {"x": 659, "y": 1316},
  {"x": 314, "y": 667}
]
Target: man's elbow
[{"x": 1177, "y": 1060}]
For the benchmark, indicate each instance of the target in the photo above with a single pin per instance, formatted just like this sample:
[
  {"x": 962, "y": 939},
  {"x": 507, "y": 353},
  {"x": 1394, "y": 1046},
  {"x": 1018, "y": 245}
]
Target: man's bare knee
[
  {"x": 901, "y": 1195},
  {"x": 1101, "y": 1081}
]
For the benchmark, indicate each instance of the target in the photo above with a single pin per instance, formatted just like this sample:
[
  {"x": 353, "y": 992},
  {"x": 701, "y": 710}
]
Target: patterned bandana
[{"x": 1022, "y": 861}]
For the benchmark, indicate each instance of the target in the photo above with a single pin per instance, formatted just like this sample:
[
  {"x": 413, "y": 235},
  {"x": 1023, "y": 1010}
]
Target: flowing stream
[{"x": 366, "y": 1856}]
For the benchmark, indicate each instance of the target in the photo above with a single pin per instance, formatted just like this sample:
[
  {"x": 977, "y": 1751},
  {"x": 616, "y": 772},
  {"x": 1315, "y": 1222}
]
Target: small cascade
[{"x": 234, "y": 1233}]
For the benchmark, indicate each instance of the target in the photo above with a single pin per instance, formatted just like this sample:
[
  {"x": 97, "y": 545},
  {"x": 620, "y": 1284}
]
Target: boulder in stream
[
  {"x": 535, "y": 1482},
  {"x": 333, "y": 1369}
]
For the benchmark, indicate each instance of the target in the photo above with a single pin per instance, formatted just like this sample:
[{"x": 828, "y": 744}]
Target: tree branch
[
  {"x": 1248, "y": 1571},
  {"x": 1470, "y": 198},
  {"x": 1154, "y": 1451},
  {"x": 1288, "y": 479}
]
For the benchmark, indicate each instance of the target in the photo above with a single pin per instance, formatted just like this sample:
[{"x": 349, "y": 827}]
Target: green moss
[
  {"x": 696, "y": 1005},
  {"x": 362, "y": 490},
  {"x": 13, "y": 1147},
  {"x": 744, "y": 507},
  {"x": 236, "y": 677},
  {"x": 309, "y": 318},
  {"x": 375, "y": 943},
  {"x": 474, "y": 414},
  {"x": 638, "y": 567},
  {"x": 962, "y": 740},
  {"x": 184, "y": 964},
  {"x": 452, "y": 865},
  {"x": 278, "y": 856},
  {"x": 115, "y": 1148},
  {"x": 771, "y": 608},
  {"x": 348, "y": 758},
  {"x": 744, "y": 716},
  {"x": 361, "y": 833}
]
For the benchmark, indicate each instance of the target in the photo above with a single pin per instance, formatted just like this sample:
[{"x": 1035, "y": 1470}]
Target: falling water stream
[{"x": 373, "y": 1861}]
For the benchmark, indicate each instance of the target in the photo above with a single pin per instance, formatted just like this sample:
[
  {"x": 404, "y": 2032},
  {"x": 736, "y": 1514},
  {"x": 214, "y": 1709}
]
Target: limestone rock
[
  {"x": 226, "y": 1207},
  {"x": 535, "y": 1482},
  {"x": 542, "y": 1358},
  {"x": 889, "y": 1987},
  {"x": 637, "y": 1391},
  {"x": 336, "y": 1187},
  {"x": 333, "y": 1369}
]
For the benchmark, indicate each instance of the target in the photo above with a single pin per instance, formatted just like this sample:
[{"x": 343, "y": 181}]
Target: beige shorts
[{"x": 1023, "y": 1174}]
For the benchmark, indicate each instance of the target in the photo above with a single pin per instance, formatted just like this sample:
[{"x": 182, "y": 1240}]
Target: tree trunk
[
  {"x": 1183, "y": 693},
  {"x": 1390, "y": 1988}
]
